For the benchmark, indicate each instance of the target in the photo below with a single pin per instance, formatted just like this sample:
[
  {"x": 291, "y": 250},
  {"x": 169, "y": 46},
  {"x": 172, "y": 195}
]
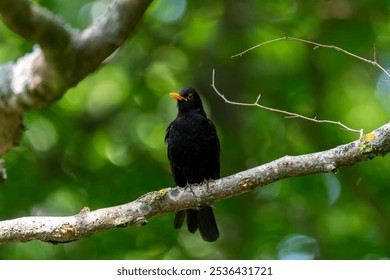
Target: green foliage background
[{"x": 102, "y": 144}]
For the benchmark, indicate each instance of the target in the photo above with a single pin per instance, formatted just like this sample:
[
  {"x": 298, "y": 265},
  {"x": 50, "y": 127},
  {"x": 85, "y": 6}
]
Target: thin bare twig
[
  {"x": 288, "y": 114},
  {"x": 259, "y": 45},
  {"x": 318, "y": 45},
  {"x": 373, "y": 62}
]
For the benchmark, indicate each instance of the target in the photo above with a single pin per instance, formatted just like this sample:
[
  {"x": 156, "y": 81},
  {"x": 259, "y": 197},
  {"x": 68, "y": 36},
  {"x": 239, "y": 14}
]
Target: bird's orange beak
[{"x": 176, "y": 96}]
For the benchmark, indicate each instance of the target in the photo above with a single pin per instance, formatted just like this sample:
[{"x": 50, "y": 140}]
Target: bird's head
[{"x": 188, "y": 100}]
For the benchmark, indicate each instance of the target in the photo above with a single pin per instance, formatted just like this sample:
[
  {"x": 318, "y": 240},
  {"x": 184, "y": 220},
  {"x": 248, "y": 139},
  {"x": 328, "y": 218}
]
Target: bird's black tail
[
  {"x": 207, "y": 225},
  {"x": 203, "y": 219},
  {"x": 179, "y": 219}
]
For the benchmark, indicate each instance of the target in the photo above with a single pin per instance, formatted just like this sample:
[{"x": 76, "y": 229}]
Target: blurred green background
[{"x": 102, "y": 144}]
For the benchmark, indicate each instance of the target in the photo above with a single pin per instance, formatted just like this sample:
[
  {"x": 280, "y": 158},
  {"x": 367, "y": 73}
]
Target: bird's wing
[
  {"x": 214, "y": 155},
  {"x": 167, "y": 131},
  {"x": 178, "y": 175}
]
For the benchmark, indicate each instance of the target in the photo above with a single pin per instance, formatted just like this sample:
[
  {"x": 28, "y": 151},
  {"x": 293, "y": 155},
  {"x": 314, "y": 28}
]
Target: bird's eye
[{"x": 189, "y": 97}]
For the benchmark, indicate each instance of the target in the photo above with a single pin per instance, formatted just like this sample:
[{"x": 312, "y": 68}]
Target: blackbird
[{"x": 193, "y": 151}]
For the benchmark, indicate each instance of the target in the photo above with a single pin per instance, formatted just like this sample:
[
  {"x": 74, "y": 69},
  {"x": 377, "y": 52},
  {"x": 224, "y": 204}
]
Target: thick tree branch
[
  {"x": 86, "y": 223},
  {"x": 61, "y": 59},
  {"x": 35, "y": 24}
]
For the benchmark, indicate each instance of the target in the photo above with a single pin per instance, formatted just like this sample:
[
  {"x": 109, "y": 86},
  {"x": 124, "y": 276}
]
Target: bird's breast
[
  {"x": 190, "y": 137},
  {"x": 193, "y": 148}
]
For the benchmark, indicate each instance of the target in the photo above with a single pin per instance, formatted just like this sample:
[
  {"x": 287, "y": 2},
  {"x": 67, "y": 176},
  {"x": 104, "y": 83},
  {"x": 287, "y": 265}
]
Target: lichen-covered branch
[
  {"x": 86, "y": 223},
  {"x": 61, "y": 58}
]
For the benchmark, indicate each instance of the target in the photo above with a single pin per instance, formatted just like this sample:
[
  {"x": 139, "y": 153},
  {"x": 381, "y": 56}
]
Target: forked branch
[{"x": 61, "y": 58}]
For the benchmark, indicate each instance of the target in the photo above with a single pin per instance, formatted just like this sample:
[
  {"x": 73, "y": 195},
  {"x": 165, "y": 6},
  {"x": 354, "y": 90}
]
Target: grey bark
[
  {"x": 61, "y": 58},
  {"x": 139, "y": 211}
]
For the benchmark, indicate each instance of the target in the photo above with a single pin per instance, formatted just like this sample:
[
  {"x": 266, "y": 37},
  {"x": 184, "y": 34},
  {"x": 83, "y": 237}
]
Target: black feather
[{"x": 193, "y": 151}]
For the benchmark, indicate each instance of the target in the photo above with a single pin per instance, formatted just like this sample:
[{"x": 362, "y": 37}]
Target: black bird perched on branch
[{"x": 193, "y": 150}]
